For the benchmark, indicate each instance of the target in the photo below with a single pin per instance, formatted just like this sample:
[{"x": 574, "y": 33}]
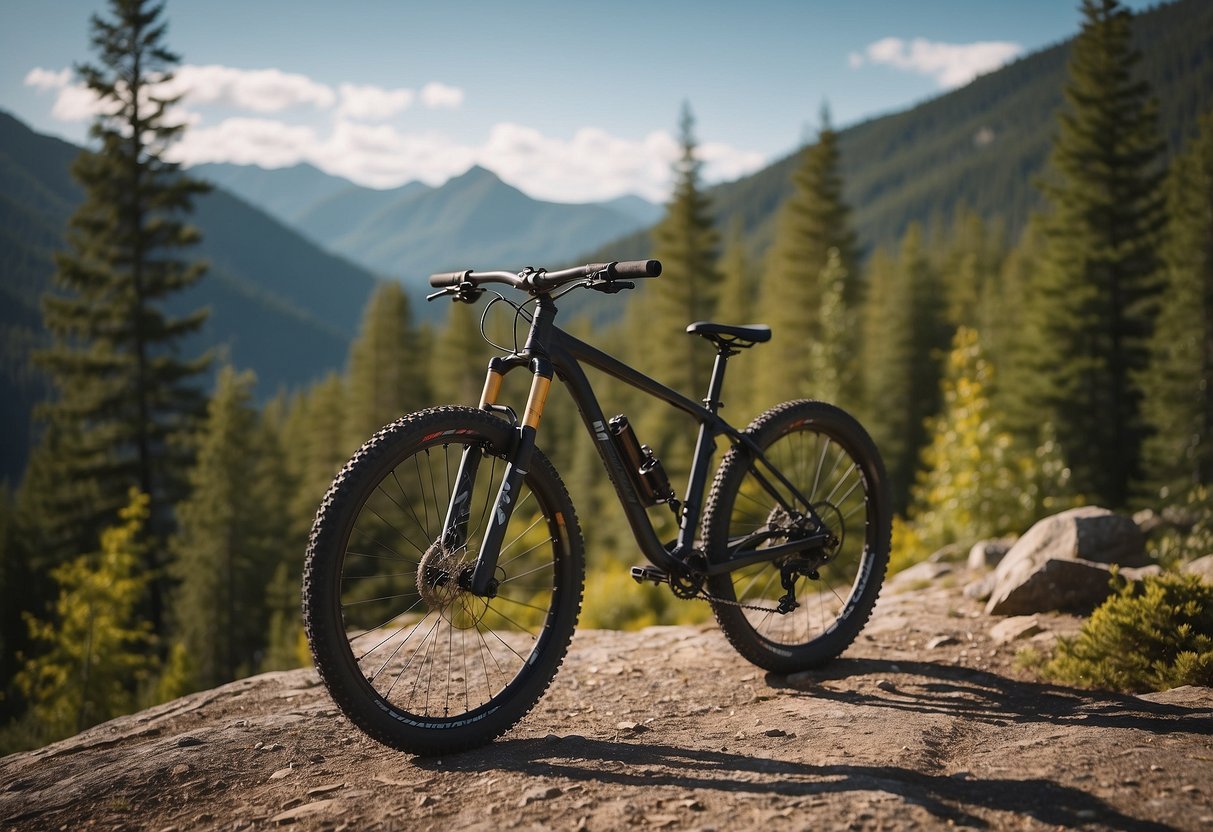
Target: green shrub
[
  {"x": 1152, "y": 635},
  {"x": 1175, "y": 547}
]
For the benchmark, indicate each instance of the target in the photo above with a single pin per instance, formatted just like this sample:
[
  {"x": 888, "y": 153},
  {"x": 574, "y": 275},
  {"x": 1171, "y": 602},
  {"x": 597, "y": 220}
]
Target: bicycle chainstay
[{"x": 657, "y": 576}]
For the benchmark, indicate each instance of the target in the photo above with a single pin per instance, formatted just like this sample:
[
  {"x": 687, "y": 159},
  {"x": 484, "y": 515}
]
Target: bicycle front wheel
[
  {"x": 409, "y": 655},
  {"x": 836, "y": 470}
]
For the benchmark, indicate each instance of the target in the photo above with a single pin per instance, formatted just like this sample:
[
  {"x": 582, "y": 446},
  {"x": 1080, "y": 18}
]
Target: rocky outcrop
[{"x": 1063, "y": 561}]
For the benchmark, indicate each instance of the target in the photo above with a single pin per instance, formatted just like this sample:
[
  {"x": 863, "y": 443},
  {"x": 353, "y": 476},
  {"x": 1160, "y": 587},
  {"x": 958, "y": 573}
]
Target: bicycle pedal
[{"x": 640, "y": 574}]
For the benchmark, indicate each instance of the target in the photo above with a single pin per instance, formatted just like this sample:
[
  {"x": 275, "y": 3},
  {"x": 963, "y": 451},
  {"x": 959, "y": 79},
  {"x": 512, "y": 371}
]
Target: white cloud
[
  {"x": 356, "y": 139},
  {"x": 246, "y": 141},
  {"x": 592, "y": 165},
  {"x": 373, "y": 103},
  {"x": 950, "y": 64},
  {"x": 257, "y": 90},
  {"x": 48, "y": 79},
  {"x": 438, "y": 96}
]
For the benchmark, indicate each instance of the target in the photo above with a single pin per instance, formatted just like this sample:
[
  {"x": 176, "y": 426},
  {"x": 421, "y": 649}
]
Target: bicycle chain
[{"x": 704, "y": 595}]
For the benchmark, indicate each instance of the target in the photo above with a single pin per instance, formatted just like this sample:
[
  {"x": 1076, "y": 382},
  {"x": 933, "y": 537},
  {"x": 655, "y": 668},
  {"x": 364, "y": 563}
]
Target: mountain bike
[{"x": 445, "y": 568}]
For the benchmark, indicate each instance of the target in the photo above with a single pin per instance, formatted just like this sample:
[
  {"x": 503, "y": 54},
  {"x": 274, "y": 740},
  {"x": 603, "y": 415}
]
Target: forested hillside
[
  {"x": 982, "y": 146},
  {"x": 280, "y": 305}
]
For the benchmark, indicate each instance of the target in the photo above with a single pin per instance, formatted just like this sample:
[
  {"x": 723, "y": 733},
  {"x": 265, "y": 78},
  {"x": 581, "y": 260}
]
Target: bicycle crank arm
[{"x": 749, "y": 558}]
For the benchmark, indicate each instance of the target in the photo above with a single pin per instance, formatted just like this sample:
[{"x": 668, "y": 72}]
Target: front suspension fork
[{"x": 482, "y": 580}]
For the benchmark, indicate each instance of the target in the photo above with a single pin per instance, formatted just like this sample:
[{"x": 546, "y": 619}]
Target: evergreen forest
[{"x": 1010, "y": 358}]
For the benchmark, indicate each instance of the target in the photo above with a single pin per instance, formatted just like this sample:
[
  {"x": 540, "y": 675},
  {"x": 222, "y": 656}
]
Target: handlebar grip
[
  {"x": 445, "y": 279},
  {"x": 627, "y": 268},
  {"x": 638, "y": 268}
]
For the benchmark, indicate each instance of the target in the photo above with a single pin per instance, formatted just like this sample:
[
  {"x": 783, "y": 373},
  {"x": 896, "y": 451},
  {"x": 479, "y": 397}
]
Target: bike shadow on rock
[
  {"x": 935, "y": 688},
  {"x": 642, "y": 766}
]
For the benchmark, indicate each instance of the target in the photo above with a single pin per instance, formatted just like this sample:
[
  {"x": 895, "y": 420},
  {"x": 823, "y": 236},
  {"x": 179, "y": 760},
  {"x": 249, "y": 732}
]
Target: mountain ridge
[
  {"x": 280, "y": 305},
  {"x": 474, "y": 220}
]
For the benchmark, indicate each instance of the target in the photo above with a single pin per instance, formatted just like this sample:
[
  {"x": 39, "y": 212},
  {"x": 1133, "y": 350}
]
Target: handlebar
[{"x": 540, "y": 281}]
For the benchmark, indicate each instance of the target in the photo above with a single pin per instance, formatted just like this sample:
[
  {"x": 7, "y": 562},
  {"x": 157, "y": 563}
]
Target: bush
[
  {"x": 1178, "y": 546},
  {"x": 1153, "y": 635}
]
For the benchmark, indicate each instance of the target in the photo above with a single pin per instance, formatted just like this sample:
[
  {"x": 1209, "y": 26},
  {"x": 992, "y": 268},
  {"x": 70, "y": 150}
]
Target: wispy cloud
[
  {"x": 950, "y": 64},
  {"x": 275, "y": 119}
]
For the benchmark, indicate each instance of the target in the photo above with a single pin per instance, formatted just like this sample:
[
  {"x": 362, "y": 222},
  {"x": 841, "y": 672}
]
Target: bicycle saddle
[{"x": 726, "y": 335}]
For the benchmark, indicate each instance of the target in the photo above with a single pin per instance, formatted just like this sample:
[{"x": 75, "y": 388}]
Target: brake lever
[
  {"x": 610, "y": 287},
  {"x": 463, "y": 293}
]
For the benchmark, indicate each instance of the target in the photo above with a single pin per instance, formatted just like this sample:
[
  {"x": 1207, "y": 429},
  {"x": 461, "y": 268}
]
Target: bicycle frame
[{"x": 551, "y": 351}]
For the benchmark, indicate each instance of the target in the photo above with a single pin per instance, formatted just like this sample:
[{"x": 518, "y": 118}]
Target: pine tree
[
  {"x": 1179, "y": 404},
  {"x": 814, "y": 221},
  {"x": 123, "y": 393},
  {"x": 386, "y": 377},
  {"x": 459, "y": 358},
  {"x": 904, "y": 336},
  {"x": 686, "y": 242},
  {"x": 1092, "y": 314},
  {"x": 737, "y": 304},
  {"x": 97, "y": 648},
  {"x": 832, "y": 358},
  {"x": 228, "y": 544}
]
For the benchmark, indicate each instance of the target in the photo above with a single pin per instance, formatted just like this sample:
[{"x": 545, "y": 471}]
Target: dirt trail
[{"x": 924, "y": 723}]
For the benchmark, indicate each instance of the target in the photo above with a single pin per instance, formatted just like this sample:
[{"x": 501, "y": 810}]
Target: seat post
[{"x": 713, "y": 402}]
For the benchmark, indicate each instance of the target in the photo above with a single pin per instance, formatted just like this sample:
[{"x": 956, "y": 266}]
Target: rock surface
[
  {"x": 1034, "y": 575},
  {"x": 891, "y": 735}
]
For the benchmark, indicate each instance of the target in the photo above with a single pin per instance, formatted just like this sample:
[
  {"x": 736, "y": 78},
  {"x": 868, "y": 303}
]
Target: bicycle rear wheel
[
  {"x": 835, "y": 466},
  {"x": 412, "y": 658}
]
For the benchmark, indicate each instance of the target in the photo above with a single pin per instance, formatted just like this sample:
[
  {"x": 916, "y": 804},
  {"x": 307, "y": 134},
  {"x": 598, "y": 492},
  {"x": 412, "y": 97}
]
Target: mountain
[
  {"x": 473, "y": 221},
  {"x": 283, "y": 193},
  {"x": 279, "y": 305},
  {"x": 984, "y": 145}
]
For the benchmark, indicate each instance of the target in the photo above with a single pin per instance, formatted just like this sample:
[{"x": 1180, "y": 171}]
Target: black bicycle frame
[{"x": 550, "y": 350}]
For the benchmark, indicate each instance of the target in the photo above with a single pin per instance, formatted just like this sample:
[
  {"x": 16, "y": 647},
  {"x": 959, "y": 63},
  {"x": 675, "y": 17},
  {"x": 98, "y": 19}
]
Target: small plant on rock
[{"x": 1152, "y": 635}]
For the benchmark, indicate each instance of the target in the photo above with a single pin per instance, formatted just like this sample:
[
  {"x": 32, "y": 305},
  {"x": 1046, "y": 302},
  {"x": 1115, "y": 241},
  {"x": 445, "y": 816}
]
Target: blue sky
[{"x": 568, "y": 101}]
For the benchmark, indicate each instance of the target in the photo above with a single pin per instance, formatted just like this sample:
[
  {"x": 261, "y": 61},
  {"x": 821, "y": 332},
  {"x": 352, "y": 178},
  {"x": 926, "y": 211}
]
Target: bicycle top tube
[{"x": 541, "y": 281}]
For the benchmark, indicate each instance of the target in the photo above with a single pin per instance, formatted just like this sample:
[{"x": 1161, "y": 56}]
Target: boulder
[
  {"x": 986, "y": 554},
  {"x": 1088, "y": 533},
  {"x": 1075, "y": 586},
  {"x": 1202, "y": 567}
]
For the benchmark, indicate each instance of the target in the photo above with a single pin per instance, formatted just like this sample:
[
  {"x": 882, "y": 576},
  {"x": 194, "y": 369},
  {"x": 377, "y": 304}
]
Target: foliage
[
  {"x": 97, "y": 650},
  {"x": 976, "y": 482},
  {"x": 231, "y": 530},
  {"x": 1194, "y": 537},
  {"x": 1091, "y": 302},
  {"x": 123, "y": 395},
  {"x": 812, "y": 258},
  {"x": 1179, "y": 381},
  {"x": 904, "y": 335},
  {"x": 1153, "y": 635},
  {"x": 686, "y": 242},
  {"x": 386, "y": 378}
]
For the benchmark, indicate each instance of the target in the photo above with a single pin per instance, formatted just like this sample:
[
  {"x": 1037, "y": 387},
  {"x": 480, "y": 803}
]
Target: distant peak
[{"x": 476, "y": 173}]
